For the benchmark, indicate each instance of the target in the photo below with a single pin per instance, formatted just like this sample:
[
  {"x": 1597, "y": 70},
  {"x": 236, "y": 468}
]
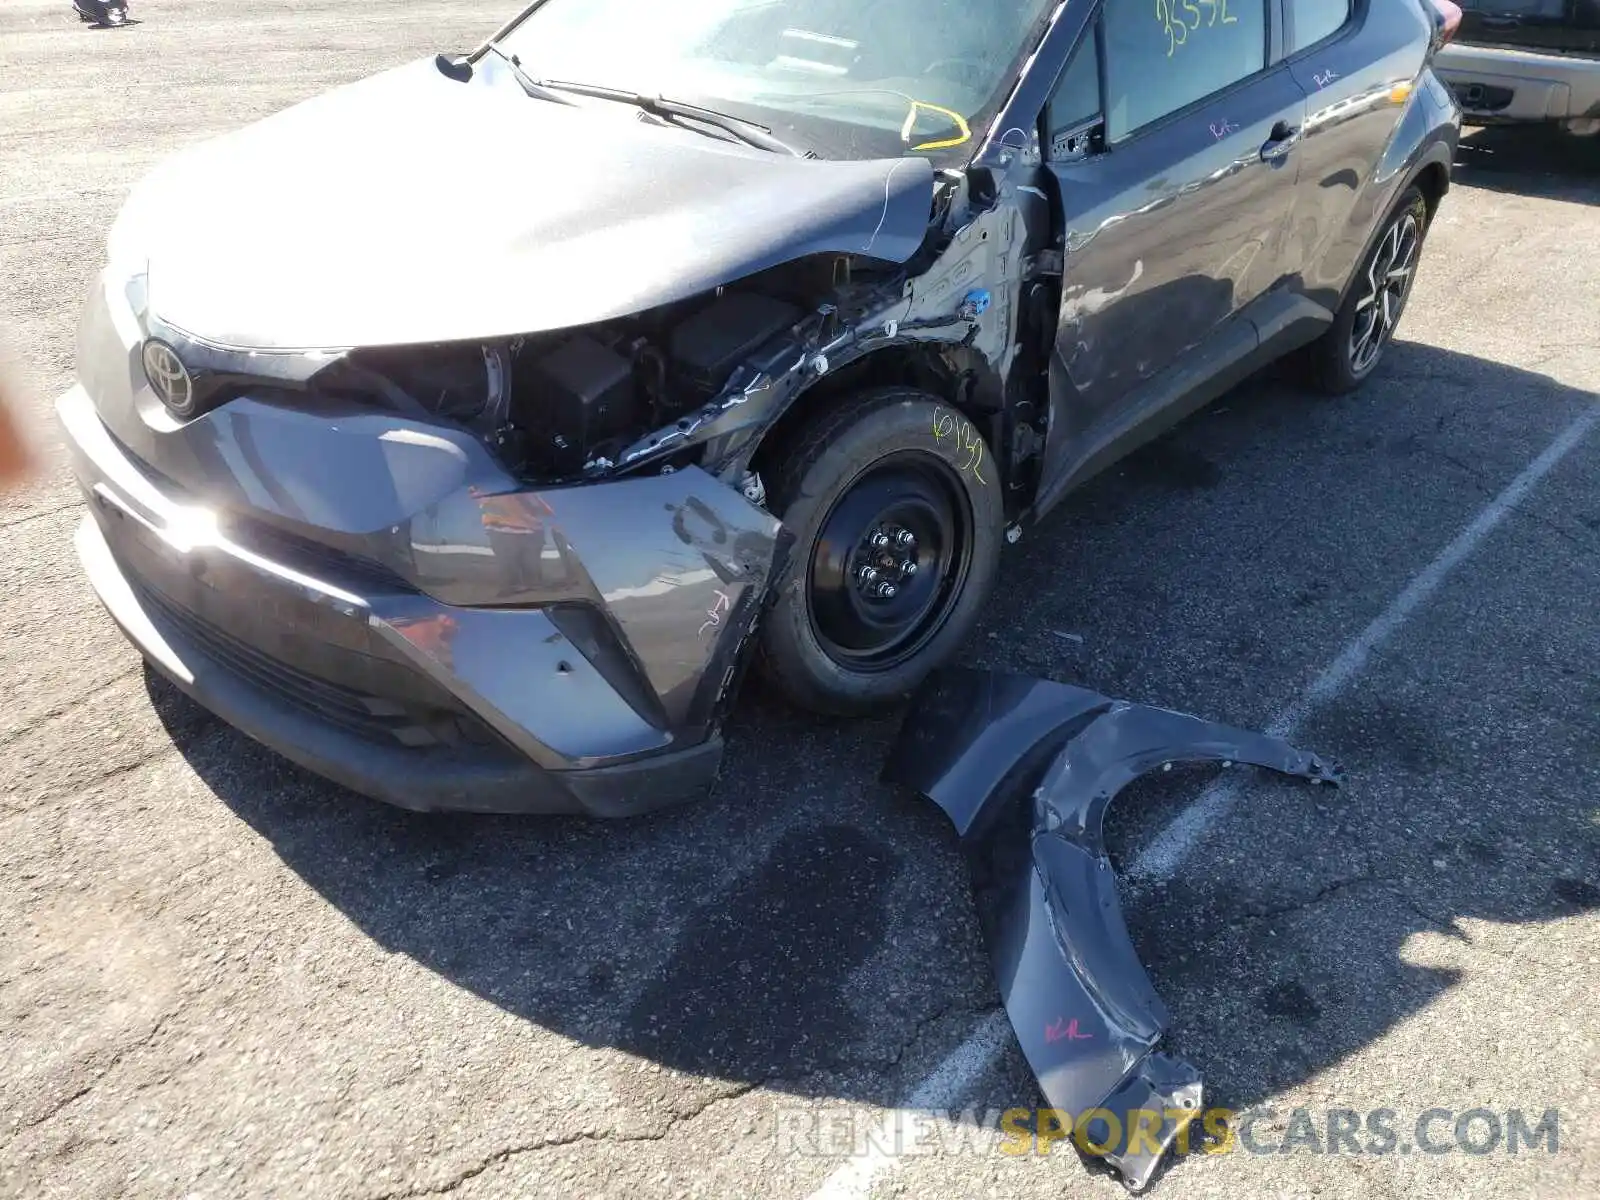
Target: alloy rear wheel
[
  {"x": 1383, "y": 290},
  {"x": 1349, "y": 351}
]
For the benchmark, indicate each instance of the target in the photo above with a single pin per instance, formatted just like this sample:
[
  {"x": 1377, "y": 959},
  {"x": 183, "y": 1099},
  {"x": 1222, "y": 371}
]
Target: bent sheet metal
[{"x": 1078, "y": 997}]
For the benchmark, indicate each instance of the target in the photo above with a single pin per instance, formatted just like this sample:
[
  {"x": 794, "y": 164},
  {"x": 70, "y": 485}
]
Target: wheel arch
[
  {"x": 1434, "y": 179},
  {"x": 1431, "y": 177},
  {"x": 956, "y": 374}
]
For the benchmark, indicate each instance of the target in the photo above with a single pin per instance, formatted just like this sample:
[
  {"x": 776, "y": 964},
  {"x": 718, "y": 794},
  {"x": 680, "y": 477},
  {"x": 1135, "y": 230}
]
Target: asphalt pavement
[{"x": 220, "y": 976}]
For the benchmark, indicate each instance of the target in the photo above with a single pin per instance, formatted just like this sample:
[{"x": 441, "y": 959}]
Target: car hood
[{"x": 410, "y": 207}]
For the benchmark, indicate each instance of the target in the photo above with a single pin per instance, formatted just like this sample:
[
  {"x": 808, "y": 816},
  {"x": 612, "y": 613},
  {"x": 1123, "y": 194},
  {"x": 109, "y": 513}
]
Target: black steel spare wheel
[
  {"x": 894, "y": 501},
  {"x": 890, "y": 561}
]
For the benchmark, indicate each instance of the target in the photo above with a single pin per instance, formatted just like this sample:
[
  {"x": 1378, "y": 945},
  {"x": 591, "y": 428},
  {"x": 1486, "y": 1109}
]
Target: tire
[
  {"x": 1347, "y": 354},
  {"x": 884, "y": 463}
]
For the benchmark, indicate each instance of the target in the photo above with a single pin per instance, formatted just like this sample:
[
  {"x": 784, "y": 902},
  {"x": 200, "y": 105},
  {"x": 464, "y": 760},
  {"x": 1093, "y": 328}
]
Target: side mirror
[{"x": 453, "y": 66}]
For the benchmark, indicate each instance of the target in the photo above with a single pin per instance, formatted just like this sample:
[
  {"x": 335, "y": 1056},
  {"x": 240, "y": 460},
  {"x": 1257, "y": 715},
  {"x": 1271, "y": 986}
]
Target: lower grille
[{"x": 375, "y": 718}]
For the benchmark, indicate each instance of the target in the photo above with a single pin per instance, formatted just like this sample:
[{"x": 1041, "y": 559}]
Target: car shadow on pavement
[
  {"x": 1530, "y": 160},
  {"x": 805, "y": 927}
]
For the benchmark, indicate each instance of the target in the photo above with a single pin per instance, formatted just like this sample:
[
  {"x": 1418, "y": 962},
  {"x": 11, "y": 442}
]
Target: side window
[
  {"x": 1312, "y": 20},
  {"x": 1162, "y": 55},
  {"x": 1075, "y": 101}
]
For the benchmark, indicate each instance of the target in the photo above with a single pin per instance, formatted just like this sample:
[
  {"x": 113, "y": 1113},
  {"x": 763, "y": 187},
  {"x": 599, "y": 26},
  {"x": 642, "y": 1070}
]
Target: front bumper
[
  {"x": 1494, "y": 84},
  {"x": 598, "y": 702}
]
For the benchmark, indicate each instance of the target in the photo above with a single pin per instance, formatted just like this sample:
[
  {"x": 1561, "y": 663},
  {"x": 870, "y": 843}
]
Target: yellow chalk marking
[{"x": 957, "y": 118}]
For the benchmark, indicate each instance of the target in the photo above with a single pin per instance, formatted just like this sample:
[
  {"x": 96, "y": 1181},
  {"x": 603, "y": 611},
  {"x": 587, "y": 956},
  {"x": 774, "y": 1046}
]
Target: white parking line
[
  {"x": 968, "y": 1062},
  {"x": 1165, "y": 854},
  {"x": 964, "y": 1066}
]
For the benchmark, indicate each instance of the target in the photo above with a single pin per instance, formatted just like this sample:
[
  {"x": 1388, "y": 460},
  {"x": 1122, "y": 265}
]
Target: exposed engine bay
[
  {"x": 560, "y": 406},
  {"x": 697, "y": 380},
  {"x": 553, "y": 405}
]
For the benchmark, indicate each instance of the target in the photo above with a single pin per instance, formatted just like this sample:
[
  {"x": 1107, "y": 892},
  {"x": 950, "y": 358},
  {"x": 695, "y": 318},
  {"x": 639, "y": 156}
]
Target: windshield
[{"x": 844, "y": 78}]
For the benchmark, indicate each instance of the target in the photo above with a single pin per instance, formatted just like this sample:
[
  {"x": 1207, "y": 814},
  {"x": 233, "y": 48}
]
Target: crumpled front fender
[{"x": 1082, "y": 1006}]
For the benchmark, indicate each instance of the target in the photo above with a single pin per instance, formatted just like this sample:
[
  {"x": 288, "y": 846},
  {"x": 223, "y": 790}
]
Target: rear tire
[
  {"x": 1347, "y": 354},
  {"x": 894, "y": 500}
]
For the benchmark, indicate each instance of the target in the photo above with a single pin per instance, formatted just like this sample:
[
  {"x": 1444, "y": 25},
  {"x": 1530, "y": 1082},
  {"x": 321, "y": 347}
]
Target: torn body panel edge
[{"x": 1078, "y": 997}]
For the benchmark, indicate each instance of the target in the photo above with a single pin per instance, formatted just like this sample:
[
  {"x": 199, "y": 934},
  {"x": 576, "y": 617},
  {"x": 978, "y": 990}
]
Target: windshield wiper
[
  {"x": 677, "y": 111},
  {"x": 529, "y": 84}
]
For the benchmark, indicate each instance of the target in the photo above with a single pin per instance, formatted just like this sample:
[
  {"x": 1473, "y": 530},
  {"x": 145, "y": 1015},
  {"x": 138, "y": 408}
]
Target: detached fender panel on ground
[{"x": 1079, "y": 999}]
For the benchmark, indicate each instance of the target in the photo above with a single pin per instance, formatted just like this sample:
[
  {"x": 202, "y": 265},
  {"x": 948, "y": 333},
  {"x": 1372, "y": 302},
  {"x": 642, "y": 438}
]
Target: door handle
[{"x": 1280, "y": 142}]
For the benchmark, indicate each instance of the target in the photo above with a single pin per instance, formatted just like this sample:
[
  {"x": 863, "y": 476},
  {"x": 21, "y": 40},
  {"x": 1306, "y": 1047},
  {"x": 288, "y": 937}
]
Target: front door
[{"x": 1171, "y": 138}]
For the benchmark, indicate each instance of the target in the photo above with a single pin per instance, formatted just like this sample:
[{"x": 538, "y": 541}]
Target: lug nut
[
  {"x": 879, "y": 540},
  {"x": 867, "y": 574},
  {"x": 908, "y": 568},
  {"x": 886, "y": 591},
  {"x": 905, "y": 538}
]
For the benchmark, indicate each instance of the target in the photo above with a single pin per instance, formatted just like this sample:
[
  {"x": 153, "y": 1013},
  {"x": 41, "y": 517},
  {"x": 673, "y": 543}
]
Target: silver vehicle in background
[{"x": 1518, "y": 61}]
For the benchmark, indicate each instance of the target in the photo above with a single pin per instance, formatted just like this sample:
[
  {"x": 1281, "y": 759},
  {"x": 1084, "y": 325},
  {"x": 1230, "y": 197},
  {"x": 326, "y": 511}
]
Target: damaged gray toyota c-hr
[{"x": 462, "y": 433}]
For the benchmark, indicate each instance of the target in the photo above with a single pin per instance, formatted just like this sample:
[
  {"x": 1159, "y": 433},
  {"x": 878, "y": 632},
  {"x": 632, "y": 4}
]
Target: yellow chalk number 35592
[{"x": 1181, "y": 17}]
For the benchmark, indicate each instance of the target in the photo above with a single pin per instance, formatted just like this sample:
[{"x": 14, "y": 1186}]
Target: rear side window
[
  {"x": 1312, "y": 20},
  {"x": 1163, "y": 55}
]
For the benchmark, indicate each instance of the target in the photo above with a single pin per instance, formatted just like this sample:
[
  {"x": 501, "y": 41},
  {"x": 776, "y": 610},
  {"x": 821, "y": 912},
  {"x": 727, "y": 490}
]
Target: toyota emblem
[{"x": 169, "y": 377}]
